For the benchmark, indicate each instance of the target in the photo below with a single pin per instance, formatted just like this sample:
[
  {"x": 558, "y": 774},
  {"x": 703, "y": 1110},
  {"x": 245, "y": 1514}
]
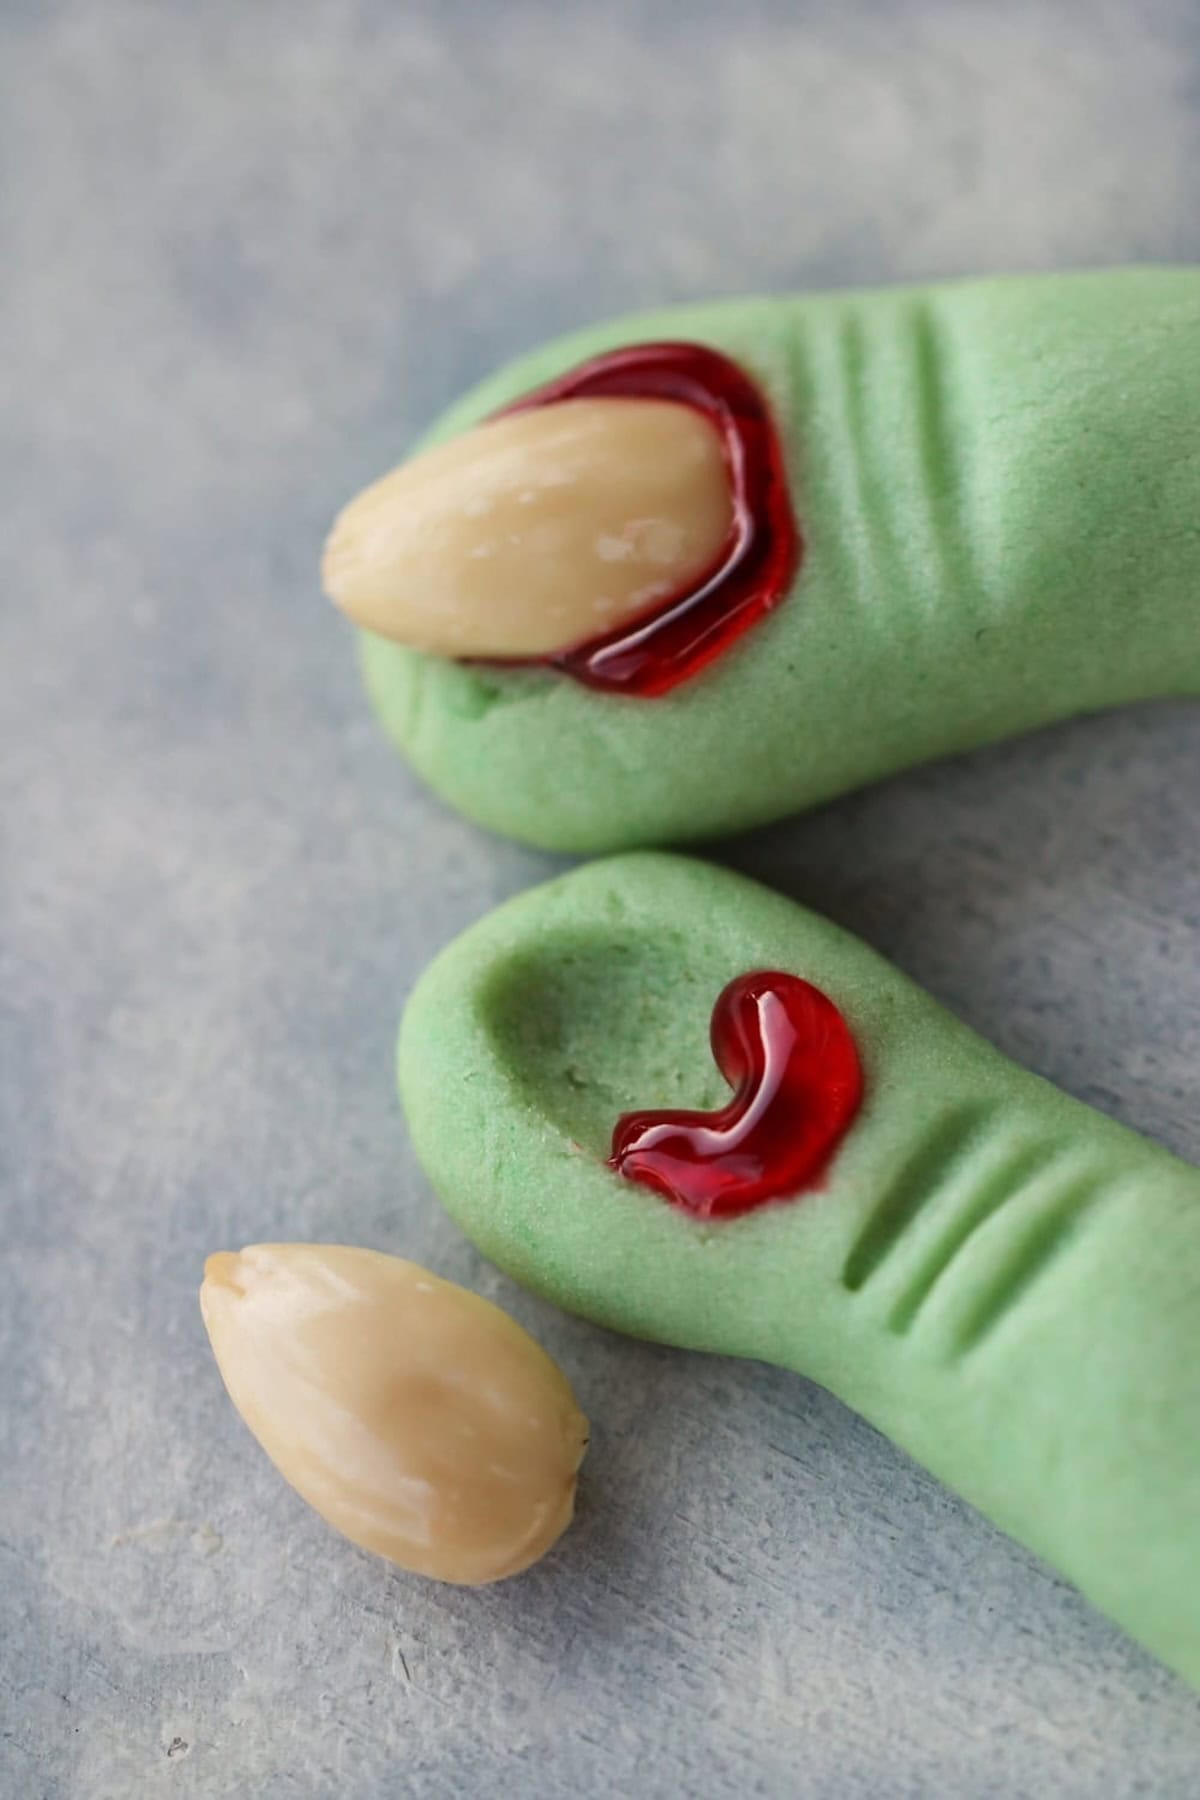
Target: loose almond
[{"x": 418, "y": 1419}]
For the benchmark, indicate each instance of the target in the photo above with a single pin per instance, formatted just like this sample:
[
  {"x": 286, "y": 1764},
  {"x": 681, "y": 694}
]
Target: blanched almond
[
  {"x": 418, "y": 1419},
  {"x": 535, "y": 532}
]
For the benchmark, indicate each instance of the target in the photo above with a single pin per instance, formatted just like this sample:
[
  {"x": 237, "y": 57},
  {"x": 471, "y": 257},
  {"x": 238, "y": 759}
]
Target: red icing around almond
[
  {"x": 757, "y": 564},
  {"x": 788, "y": 1053}
]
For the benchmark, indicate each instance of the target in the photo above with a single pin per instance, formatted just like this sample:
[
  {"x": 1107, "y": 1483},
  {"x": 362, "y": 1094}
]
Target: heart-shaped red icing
[{"x": 787, "y": 1052}]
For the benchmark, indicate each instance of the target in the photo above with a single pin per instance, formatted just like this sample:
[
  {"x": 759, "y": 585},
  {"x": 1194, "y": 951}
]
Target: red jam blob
[
  {"x": 757, "y": 563},
  {"x": 787, "y": 1052}
]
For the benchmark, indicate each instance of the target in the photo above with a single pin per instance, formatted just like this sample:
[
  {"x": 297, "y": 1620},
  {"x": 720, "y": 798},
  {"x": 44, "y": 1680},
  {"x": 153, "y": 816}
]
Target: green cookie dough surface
[
  {"x": 998, "y": 484},
  {"x": 1004, "y": 1281}
]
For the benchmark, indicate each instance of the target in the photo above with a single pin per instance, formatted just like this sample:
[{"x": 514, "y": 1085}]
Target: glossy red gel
[
  {"x": 684, "y": 634},
  {"x": 787, "y": 1052}
]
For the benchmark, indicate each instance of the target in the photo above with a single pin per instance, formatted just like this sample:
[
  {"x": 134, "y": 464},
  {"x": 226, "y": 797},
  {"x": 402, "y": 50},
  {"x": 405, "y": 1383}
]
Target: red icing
[
  {"x": 758, "y": 561},
  {"x": 787, "y": 1052}
]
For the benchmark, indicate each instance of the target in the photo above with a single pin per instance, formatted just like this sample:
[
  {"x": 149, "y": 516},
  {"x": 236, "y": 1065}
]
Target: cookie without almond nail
[{"x": 1003, "y": 1280}]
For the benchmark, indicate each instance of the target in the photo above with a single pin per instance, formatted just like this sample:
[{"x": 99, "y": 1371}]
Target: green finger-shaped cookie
[
  {"x": 1001, "y": 1279},
  {"x": 998, "y": 487}
]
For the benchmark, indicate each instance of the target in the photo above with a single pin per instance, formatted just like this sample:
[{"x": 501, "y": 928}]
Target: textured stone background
[{"x": 247, "y": 251}]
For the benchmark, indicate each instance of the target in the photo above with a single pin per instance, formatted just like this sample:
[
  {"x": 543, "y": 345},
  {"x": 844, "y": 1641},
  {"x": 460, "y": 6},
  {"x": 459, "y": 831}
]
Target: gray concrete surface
[{"x": 247, "y": 250}]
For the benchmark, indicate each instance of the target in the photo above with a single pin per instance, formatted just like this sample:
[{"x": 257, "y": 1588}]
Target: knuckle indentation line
[
  {"x": 992, "y": 1189},
  {"x": 931, "y": 1166},
  {"x": 1035, "y": 1249}
]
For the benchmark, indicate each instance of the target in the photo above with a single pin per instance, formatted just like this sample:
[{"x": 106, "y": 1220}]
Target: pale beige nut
[
  {"x": 535, "y": 532},
  {"x": 418, "y": 1419}
]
